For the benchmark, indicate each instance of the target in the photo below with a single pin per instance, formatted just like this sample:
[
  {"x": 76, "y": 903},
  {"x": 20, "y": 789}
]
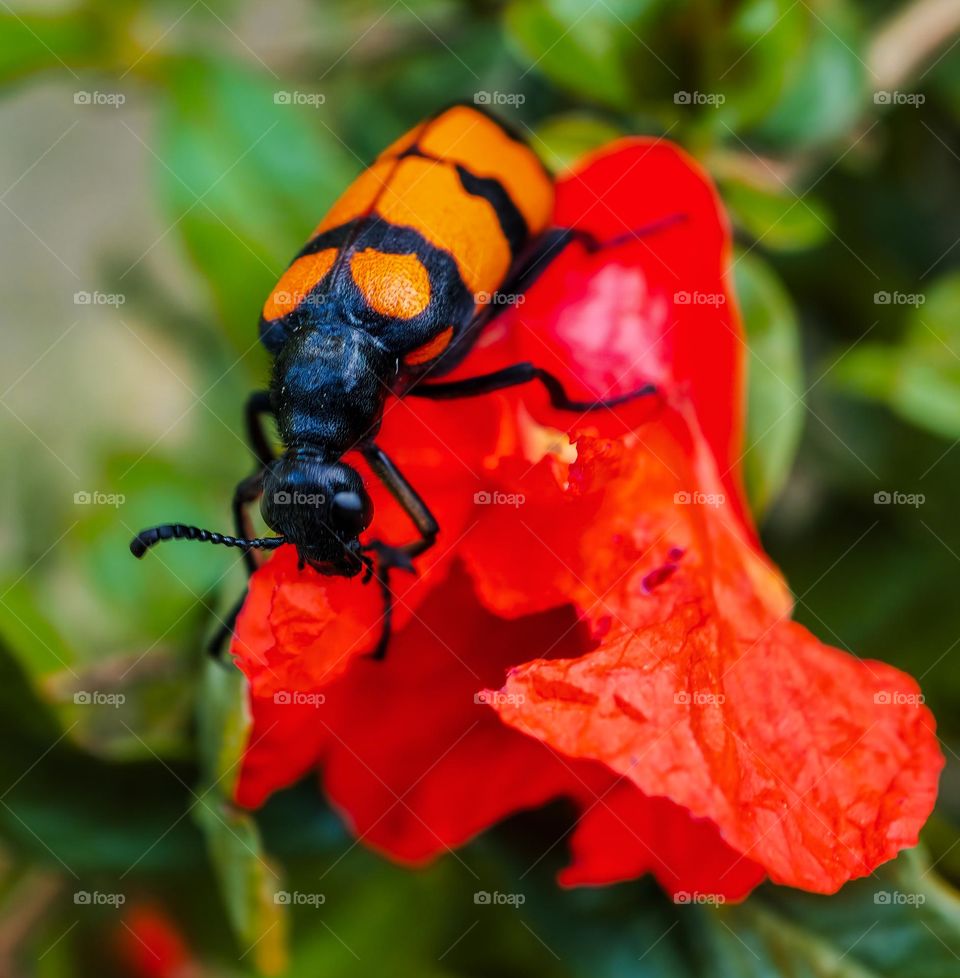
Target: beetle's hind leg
[
  {"x": 522, "y": 373},
  {"x": 551, "y": 244}
]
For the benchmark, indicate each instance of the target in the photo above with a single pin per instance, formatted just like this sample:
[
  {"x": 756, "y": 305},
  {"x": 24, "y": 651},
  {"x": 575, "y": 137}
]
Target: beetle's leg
[
  {"x": 382, "y": 574},
  {"x": 389, "y": 557},
  {"x": 535, "y": 260},
  {"x": 401, "y": 490},
  {"x": 592, "y": 243},
  {"x": 521, "y": 373},
  {"x": 258, "y": 404},
  {"x": 247, "y": 492}
]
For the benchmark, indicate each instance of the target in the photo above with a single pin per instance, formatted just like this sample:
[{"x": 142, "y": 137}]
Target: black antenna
[{"x": 145, "y": 539}]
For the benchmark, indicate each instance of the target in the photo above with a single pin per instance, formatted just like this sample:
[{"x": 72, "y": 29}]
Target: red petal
[
  {"x": 814, "y": 764},
  {"x": 659, "y": 309},
  {"x": 286, "y": 739},
  {"x": 297, "y": 631},
  {"x": 149, "y": 944},
  {"x": 624, "y": 834},
  {"x": 413, "y": 759},
  {"x": 418, "y": 766}
]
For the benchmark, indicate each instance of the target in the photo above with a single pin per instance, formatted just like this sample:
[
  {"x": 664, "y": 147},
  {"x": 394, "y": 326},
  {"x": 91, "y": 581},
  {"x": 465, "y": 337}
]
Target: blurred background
[{"x": 161, "y": 164}]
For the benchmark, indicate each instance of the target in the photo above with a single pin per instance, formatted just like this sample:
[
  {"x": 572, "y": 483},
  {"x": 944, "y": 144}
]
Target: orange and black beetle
[{"x": 395, "y": 284}]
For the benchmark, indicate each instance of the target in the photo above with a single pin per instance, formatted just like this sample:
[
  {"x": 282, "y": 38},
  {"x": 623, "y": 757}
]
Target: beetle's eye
[{"x": 350, "y": 513}]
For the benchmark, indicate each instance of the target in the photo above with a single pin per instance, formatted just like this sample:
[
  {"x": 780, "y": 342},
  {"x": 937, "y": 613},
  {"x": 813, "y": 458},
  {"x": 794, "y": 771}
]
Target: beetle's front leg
[{"x": 387, "y": 556}]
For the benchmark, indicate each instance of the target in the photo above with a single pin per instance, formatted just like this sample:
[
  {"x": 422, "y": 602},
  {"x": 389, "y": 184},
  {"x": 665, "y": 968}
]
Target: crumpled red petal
[{"x": 809, "y": 761}]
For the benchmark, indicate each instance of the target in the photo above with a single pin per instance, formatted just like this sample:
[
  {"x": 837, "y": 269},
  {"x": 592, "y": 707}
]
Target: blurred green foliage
[{"x": 832, "y": 132}]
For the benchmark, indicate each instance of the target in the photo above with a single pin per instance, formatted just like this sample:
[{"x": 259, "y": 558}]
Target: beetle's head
[{"x": 320, "y": 507}]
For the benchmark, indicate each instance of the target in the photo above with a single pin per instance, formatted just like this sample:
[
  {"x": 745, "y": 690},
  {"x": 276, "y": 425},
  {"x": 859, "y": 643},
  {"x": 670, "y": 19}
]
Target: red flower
[
  {"x": 149, "y": 945},
  {"x": 597, "y": 620}
]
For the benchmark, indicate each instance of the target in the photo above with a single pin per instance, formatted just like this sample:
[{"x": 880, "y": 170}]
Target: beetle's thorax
[{"x": 328, "y": 388}]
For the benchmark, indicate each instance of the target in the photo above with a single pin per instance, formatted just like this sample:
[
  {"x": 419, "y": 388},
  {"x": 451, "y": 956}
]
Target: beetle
[{"x": 393, "y": 286}]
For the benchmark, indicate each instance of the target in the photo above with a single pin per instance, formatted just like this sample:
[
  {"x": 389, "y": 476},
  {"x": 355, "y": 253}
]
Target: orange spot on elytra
[
  {"x": 297, "y": 281},
  {"x": 393, "y": 285},
  {"x": 430, "y": 350}
]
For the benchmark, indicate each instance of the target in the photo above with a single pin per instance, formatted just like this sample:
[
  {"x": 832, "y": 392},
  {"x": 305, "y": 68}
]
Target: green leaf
[
  {"x": 245, "y": 178},
  {"x": 826, "y": 92},
  {"x": 73, "y": 812},
  {"x": 129, "y": 706},
  {"x": 563, "y": 139},
  {"x": 919, "y": 378},
  {"x": 225, "y": 722},
  {"x": 32, "y": 42},
  {"x": 764, "y": 45},
  {"x": 364, "y": 926},
  {"x": 249, "y": 883},
  {"x": 29, "y": 634},
  {"x": 585, "y": 48},
  {"x": 774, "y": 380},
  {"x": 165, "y": 598},
  {"x": 899, "y": 923},
  {"x": 778, "y": 219}
]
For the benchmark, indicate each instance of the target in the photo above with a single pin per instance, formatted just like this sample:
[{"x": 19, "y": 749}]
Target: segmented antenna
[{"x": 145, "y": 539}]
